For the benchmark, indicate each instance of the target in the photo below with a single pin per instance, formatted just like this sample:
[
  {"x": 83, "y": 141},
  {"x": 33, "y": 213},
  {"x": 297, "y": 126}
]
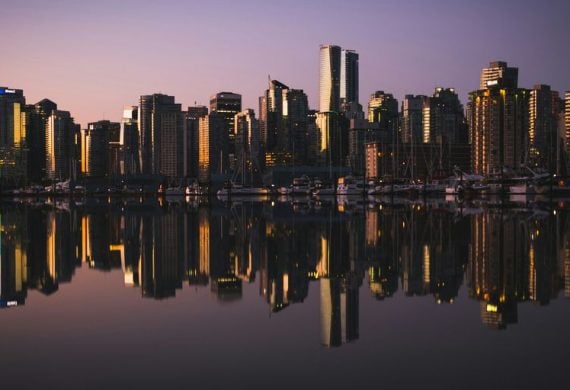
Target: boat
[
  {"x": 175, "y": 191},
  {"x": 232, "y": 189},
  {"x": 349, "y": 185},
  {"x": 301, "y": 186},
  {"x": 521, "y": 189},
  {"x": 194, "y": 190}
]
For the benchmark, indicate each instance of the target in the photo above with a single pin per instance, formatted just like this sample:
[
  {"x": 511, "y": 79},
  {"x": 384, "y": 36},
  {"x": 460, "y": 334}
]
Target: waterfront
[{"x": 145, "y": 293}]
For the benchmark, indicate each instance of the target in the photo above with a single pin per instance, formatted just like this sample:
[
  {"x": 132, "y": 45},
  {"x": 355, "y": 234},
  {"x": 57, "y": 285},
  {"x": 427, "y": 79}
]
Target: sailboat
[{"x": 231, "y": 188}]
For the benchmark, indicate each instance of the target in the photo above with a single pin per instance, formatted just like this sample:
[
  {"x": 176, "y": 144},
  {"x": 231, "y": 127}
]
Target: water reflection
[{"x": 503, "y": 255}]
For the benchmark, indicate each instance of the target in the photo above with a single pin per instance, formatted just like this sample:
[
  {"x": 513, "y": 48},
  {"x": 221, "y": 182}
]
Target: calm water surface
[{"x": 281, "y": 295}]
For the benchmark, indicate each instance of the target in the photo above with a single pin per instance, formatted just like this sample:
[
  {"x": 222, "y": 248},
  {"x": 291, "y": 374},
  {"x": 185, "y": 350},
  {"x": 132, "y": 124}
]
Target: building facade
[
  {"x": 544, "y": 140},
  {"x": 161, "y": 136},
  {"x": 498, "y": 122}
]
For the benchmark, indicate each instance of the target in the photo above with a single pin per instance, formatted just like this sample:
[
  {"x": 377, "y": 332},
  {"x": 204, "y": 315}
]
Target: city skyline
[{"x": 94, "y": 75}]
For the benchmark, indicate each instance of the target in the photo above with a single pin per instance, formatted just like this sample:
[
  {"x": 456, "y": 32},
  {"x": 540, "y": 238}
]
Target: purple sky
[{"x": 93, "y": 58}]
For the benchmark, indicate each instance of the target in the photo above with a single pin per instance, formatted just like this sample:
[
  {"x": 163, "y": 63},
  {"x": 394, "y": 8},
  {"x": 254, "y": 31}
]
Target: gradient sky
[{"x": 93, "y": 58}]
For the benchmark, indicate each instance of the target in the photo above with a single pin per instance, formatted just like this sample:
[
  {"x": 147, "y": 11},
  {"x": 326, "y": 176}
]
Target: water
[{"x": 142, "y": 294}]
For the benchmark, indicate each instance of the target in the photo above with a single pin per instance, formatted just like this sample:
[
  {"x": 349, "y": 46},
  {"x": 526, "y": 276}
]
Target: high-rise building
[
  {"x": 12, "y": 102},
  {"x": 130, "y": 141},
  {"x": 295, "y": 113},
  {"x": 227, "y": 104},
  {"x": 61, "y": 158},
  {"x": 330, "y": 149},
  {"x": 99, "y": 155},
  {"x": 283, "y": 125},
  {"x": 273, "y": 129},
  {"x": 338, "y": 78},
  {"x": 498, "y": 122},
  {"x": 349, "y": 76},
  {"x": 383, "y": 109},
  {"x": 248, "y": 147},
  {"x": 192, "y": 138},
  {"x": 13, "y": 150},
  {"x": 412, "y": 118},
  {"x": 213, "y": 146},
  {"x": 161, "y": 131},
  {"x": 544, "y": 141},
  {"x": 329, "y": 84},
  {"x": 36, "y": 120},
  {"x": 444, "y": 119},
  {"x": 567, "y": 122},
  {"x": 498, "y": 74}
]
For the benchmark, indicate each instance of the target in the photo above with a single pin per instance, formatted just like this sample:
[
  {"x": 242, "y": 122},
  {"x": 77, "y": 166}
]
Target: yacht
[
  {"x": 174, "y": 191},
  {"x": 349, "y": 185},
  {"x": 194, "y": 190},
  {"x": 236, "y": 189},
  {"x": 301, "y": 186}
]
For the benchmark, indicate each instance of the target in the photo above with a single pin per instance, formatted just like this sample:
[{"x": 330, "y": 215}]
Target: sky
[{"x": 93, "y": 58}]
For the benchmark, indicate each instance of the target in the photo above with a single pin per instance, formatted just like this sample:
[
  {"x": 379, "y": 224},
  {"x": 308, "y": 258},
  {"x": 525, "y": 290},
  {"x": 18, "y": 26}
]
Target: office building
[
  {"x": 248, "y": 147},
  {"x": 61, "y": 156},
  {"x": 383, "y": 109},
  {"x": 192, "y": 138},
  {"x": 227, "y": 105},
  {"x": 130, "y": 141},
  {"x": 213, "y": 147},
  {"x": 330, "y": 148},
  {"x": 284, "y": 125},
  {"x": 273, "y": 127},
  {"x": 100, "y": 153},
  {"x": 13, "y": 149},
  {"x": 349, "y": 77},
  {"x": 412, "y": 118},
  {"x": 161, "y": 131},
  {"x": 444, "y": 119}
]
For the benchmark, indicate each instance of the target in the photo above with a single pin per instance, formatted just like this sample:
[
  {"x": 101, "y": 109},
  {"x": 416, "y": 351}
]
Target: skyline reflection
[{"x": 503, "y": 256}]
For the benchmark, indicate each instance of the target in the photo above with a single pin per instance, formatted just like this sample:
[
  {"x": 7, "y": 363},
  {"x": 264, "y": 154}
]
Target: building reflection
[{"x": 504, "y": 257}]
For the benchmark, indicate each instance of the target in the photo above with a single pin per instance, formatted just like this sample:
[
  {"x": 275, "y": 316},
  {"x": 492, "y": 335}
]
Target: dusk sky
[{"x": 93, "y": 58}]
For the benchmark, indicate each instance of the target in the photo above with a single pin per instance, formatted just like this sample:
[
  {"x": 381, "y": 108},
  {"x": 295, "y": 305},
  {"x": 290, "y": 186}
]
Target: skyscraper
[
  {"x": 412, "y": 119},
  {"x": 161, "y": 132},
  {"x": 329, "y": 84},
  {"x": 499, "y": 74},
  {"x": 383, "y": 109},
  {"x": 130, "y": 141},
  {"x": 338, "y": 77},
  {"x": 227, "y": 104},
  {"x": 349, "y": 76},
  {"x": 567, "y": 121},
  {"x": 99, "y": 156},
  {"x": 61, "y": 160},
  {"x": 213, "y": 146},
  {"x": 543, "y": 127},
  {"x": 498, "y": 121},
  {"x": 274, "y": 134},
  {"x": 283, "y": 124},
  {"x": 192, "y": 138},
  {"x": 36, "y": 121},
  {"x": 13, "y": 153},
  {"x": 443, "y": 118},
  {"x": 248, "y": 147}
]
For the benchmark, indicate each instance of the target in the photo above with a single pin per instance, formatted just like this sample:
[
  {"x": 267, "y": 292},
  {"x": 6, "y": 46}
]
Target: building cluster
[
  {"x": 502, "y": 127},
  {"x": 503, "y": 257}
]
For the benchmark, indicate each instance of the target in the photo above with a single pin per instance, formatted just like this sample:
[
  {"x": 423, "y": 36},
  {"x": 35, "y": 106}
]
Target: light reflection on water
[{"x": 484, "y": 260}]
